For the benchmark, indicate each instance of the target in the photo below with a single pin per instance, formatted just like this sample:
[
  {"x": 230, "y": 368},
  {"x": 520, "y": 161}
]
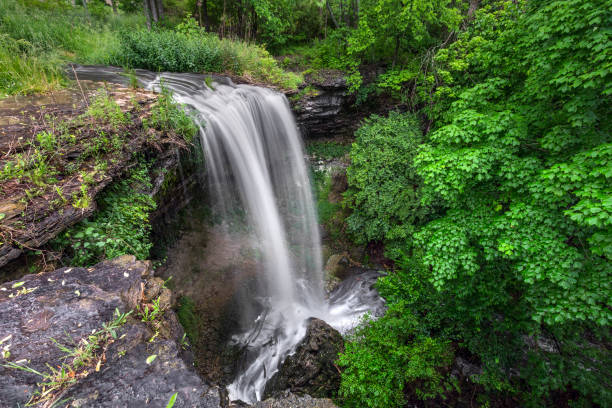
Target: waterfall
[
  {"x": 259, "y": 180},
  {"x": 255, "y": 161}
]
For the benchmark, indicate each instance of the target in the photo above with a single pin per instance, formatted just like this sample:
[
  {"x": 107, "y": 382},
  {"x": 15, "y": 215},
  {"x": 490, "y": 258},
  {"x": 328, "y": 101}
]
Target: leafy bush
[
  {"x": 165, "y": 50},
  {"x": 384, "y": 189},
  {"x": 120, "y": 226},
  {"x": 191, "y": 49},
  {"x": 388, "y": 356}
]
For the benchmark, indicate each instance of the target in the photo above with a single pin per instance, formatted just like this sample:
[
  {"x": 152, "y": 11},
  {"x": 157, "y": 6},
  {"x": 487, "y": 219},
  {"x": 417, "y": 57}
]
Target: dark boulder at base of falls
[
  {"x": 311, "y": 369},
  {"x": 287, "y": 399},
  {"x": 40, "y": 312}
]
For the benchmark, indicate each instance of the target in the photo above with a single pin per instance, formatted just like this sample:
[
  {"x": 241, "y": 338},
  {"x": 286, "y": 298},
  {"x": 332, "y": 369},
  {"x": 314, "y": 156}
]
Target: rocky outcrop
[
  {"x": 43, "y": 316},
  {"x": 289, "y": 400},
  {"x": 311, "y": 369},
  {"x": 325, "y": 108},
  {"x": 322, "y": 105},
  {"x": 82, "y": 155}
]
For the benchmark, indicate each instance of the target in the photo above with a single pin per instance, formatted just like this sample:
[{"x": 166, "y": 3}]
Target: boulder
[
  {"x": 334, "y": 271},
  {"x": 311, "y": 369},
  {"x": 287, "y": 399},
  {"x": 38, "y": 313}
]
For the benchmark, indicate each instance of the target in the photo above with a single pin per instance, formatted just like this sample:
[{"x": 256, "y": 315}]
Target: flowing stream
[{"x": 258, "y": 174}]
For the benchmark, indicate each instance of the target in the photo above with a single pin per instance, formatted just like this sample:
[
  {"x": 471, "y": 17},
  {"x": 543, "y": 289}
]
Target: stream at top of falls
[{"x": 258, "y": 176}]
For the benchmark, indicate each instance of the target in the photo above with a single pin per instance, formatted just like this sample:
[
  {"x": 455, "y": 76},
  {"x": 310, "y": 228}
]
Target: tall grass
[
  {"x": 23, "y": 72},
  {"x": 38, "y": 37}
]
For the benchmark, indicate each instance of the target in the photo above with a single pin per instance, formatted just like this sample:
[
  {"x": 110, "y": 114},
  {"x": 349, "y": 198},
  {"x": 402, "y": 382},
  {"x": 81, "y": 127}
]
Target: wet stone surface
[
  {"x": 40, "y": 311},
  {"x": 311, "y": 369}
]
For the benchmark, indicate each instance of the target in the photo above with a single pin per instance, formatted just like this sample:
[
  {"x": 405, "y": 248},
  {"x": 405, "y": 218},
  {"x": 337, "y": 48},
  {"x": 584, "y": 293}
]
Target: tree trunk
[
  {"x": 356, "y": 14},
  {"x": 145, "y": 7},
  {"x": 160, "y": 9},
  {"x": 114, "y": 6},
  {"x": 153, "y": 9},
  {"x": 85, "y": 6},
  {"x": 470, "y": 14},
  {"x": 240, "y": 30},
  {"x": 331, "y": 14},
  {"x": 205, "y": 12}
]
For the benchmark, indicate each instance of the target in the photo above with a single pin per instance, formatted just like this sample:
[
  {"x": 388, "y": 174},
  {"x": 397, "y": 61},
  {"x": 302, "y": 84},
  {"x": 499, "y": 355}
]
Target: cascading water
[
  {"x": 252, "y": 147},
  {"x": 256, "y": 164}
]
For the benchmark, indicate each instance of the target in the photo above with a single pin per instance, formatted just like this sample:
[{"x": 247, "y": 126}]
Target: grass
[{"x": 37, "y": 38}]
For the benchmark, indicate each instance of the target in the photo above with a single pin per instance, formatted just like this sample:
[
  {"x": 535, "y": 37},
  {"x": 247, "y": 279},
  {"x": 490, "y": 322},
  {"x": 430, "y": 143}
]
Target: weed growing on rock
[
  {"x": 169, "y": 116},
  {"x": 104, "y": 108},
  {"x": 86, "y": 357}
]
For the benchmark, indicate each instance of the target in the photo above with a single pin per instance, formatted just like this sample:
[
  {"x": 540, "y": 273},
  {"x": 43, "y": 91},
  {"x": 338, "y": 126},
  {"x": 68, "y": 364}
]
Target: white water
[{"x": 255, "y": 161}]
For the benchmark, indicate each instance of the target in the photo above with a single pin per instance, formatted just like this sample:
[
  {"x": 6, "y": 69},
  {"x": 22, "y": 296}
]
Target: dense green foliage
[
  {"x": 388, "y": 355},
  {"x": 517, "y": 250},
  {"x": 384, "y": 191},
  {"x": 120, "y": 226},
  {"x": 190, "y": 48}
]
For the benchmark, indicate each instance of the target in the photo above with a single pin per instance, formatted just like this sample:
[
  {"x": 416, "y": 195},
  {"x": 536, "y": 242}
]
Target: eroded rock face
[
  {"x": 323, "y": 112},
  {"x": 64, "y": 306},
  {"x": 311, "y": 369}
]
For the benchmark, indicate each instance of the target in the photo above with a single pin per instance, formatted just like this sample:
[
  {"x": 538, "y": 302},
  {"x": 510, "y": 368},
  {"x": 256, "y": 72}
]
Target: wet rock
[
  {"x": 335, "y": 268},
  {"x": 467, "y": 369},
  {"x": 38, "y": 312},
  {"x": 311, "y": 369},
  {"x": 321, "y": 113},
  {"x": 289, "y": 400}
]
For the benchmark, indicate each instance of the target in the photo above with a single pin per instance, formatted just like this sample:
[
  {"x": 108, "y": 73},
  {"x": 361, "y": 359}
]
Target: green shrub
[
  {"x": 384, "y": 189},
  {"x": 165, "y": 50},
  {"x": 120, "y": 226},
  {"x": 191, "y": 49},
  {"x": 389, "y": 358}
]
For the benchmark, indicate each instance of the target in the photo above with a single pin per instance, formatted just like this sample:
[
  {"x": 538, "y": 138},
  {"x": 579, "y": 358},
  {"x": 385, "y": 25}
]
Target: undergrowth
[
  {"x": 190, "y": 48},
  {"x": 327, "y": 149},
  {"x": 121, "y": 226}
]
